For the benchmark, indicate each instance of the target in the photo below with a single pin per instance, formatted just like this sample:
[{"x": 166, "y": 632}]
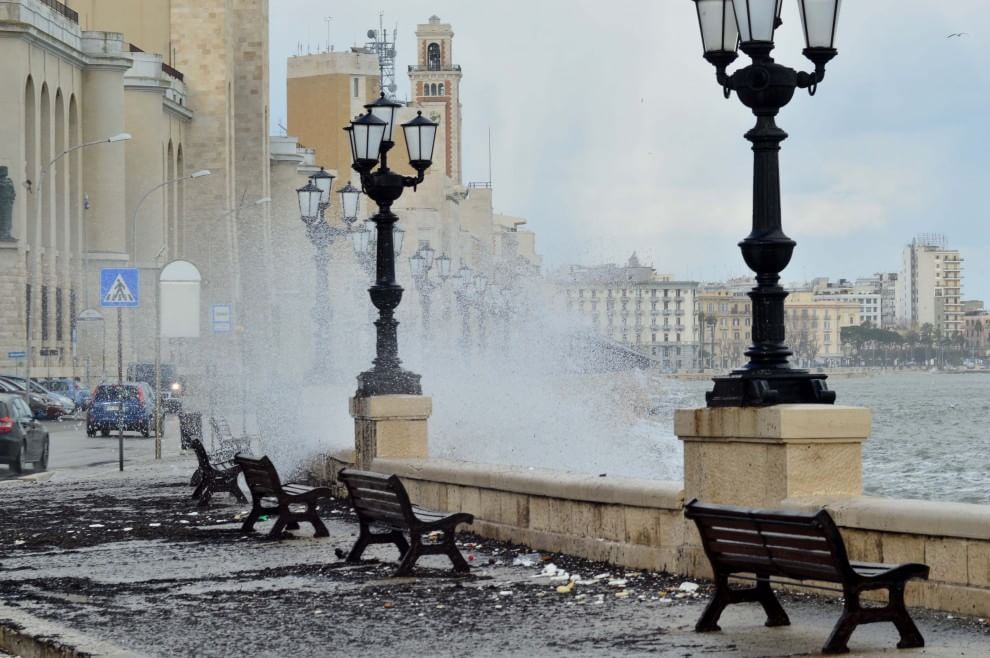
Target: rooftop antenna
[
  {"x": 328, "y": 20},
  {"x": 281, "y": 126},
  {"x": 489, "y": 156},
  {"x": 380, "y": 44}
]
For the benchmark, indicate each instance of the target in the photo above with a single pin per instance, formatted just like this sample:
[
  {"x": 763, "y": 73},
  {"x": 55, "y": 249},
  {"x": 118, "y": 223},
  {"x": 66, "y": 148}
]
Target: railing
[
  {"x": 435, "y": 67},
  {"x": 166, "y": 69},
  {"x": 483, "y": 186},
  {"x": 61, "y": 9}
]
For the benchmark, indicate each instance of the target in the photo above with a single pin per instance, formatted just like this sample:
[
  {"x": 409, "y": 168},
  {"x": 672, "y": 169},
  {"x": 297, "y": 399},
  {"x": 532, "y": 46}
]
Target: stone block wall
[{"x": 639, "y": 524}]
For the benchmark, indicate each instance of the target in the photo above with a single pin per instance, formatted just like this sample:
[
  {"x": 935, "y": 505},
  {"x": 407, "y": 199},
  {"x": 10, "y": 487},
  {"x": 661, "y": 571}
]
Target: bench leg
[
  {"x": 838, "y": 640},
  {"x": 235, "y": 491},
  {"x": 313, "y": 517},
  {"x": 720, "y": 599},
  {"x": 771, "y": 605},
  {"x": 200, "y": 488},
  {"x": 207, "y": 494},
  {"x": 910, "y": 635},
  {"x": 453, "y": 553},
  {"x": 410, "y": 556},
  {"x": 252, "y": 516}
]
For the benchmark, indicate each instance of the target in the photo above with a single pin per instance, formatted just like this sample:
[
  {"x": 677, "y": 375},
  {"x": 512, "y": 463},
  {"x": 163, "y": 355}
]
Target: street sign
[
  {"x": 16, "y": 355},
  {"x": 49, "y": 351},
  {"x": 119, "y": 287},
  {"x": 222, "y": 318}
]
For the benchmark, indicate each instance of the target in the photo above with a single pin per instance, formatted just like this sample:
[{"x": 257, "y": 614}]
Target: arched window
[
  {"x": 433, "y": 89},
  {"x": 441, "y": 89},
  {"x": 433, "y": 56}
]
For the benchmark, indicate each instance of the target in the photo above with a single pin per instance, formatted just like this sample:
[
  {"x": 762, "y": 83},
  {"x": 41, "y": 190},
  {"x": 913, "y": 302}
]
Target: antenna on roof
[{"x": 380, "y": 44}]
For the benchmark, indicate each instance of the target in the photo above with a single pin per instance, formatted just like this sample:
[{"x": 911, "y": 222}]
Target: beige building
[
  {"x": 929, "y": 287},
  {"x": 89, "y": 69},
  {"x": 724, "y": 326},
  {"x": 814, "y": 327}
]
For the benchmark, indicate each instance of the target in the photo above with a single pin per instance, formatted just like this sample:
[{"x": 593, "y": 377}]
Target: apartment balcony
[{"x": 46, "y": 16}]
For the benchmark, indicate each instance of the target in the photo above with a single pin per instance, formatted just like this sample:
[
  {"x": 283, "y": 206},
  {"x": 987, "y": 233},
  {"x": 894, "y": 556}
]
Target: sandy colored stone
[
  {"x": 539, "y": 513},
  {"x": 978, "y": 563},
  {"x": 784, "y": 421},
  {"x": 947, "y": 559},
  {"x": 400, "y": 439},
  {"x": 898, "y": 549},
  {"x": 674, "y": 529},
  {"x": 862, "y": 545},
  {"x": 471, "y": 501},
  {"x": 642, "y": 526},
  {"x": 392, "y": 406},
  {"x": 514, "y": 509},
  {"x": 610, "y": 522}
]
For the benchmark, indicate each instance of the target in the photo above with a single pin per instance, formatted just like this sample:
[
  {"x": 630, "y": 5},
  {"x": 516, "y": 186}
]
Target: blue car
[
  {"x": 130, "y": 406},
  {"x": 70, "y": 388}
]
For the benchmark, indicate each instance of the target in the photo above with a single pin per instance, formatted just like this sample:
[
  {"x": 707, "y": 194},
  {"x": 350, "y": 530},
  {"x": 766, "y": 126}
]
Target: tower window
[
  {"x": 441, "y": 89},
  {"x": 433, "y": 89},
  {"x": 356, "y": 87},
  {"x": 433, "y": 56}
]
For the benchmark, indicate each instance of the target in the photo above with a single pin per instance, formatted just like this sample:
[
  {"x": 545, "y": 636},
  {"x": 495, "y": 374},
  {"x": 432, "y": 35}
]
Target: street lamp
[
  {"x": 42, "y": 176},
  {"x": 366, "y": 246},
  {"x": 314, "y": 201},
  {"x": 421, "y": 263},
  {"x": 370, "y": 140},
  {"x": 765, "y": 87}
]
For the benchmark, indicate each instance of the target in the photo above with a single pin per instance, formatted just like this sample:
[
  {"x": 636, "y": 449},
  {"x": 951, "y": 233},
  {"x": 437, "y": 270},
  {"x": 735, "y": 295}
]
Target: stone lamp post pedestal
[
  {"x": 758, "y": 456},
  {"x": 390, "y": 426}
]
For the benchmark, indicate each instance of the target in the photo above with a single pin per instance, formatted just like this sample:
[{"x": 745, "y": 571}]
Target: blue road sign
[
  {"x": 222, "y": 318},
  {"x": 119, "y": 287},
  {"x": 16, "y": 355}
]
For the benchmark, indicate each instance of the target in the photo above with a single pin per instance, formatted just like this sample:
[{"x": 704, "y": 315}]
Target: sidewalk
[{"x": 125, "y": 564}]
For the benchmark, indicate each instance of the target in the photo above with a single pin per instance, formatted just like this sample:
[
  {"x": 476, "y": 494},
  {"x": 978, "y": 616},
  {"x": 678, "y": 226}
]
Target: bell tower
[{"x": 435, "y": 81}]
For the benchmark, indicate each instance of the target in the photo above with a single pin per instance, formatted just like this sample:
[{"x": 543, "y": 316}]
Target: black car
[{"x": 23, "y": 440}]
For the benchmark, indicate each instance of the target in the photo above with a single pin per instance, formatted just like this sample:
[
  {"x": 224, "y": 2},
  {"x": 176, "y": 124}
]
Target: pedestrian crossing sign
[{"x": 119, "y": 287}]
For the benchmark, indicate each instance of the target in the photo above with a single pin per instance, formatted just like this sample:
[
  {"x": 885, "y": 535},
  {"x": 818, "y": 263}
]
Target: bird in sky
[{"x": 957, "y": 34}]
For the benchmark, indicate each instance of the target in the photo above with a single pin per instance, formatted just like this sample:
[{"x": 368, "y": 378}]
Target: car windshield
[
  {"x": 15, "y": 384},
  {"x": 56, "y": 386},
  {"x": 115, "y": 393}
]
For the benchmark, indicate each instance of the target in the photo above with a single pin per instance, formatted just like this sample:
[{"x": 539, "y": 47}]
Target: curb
[{"x": 26, "y": 636}]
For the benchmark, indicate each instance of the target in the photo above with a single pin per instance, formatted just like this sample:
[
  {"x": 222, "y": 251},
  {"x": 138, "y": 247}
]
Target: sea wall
[{"x": 639, "y": 524}]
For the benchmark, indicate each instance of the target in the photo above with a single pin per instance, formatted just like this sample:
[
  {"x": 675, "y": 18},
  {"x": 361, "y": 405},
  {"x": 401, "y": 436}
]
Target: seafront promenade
[{"x": 112, "y": 564}]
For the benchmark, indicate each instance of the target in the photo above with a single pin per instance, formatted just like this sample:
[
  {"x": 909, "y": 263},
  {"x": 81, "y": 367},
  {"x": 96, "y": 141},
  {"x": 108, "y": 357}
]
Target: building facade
[
  {"x": 649, "y": 313},
  {"x": 814, "y": 325},
  {"x": 929, "y": 286},
  {"x": 724, "y": 326}
]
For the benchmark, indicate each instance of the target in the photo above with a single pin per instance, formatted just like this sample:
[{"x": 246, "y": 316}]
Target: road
[{"x": 69, "y": 447}]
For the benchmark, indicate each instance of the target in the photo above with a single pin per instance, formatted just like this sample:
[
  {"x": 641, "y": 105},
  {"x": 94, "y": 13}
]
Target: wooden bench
[
  {"x": 214, "y": 474},
  {"x": 804, "y": 547},
  {"x": 225, "y": 439},
  {"x": 265, "y": 485},
  {"x": 381, "y": 500}
]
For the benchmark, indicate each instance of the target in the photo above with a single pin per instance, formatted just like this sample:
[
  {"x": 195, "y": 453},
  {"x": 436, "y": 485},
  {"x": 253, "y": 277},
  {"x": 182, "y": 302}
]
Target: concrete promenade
[{"x": 124, "y": 564}]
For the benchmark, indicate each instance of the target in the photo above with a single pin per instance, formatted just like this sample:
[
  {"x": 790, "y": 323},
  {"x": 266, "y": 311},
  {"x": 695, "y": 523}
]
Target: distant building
[
  {"x": 633, "y": 305},
  {"x": 724, "y": 324},
  {"x": 874, "y": 295},
  {"x": 930, "y": 285},
  {"x": 814, "y": 327}
]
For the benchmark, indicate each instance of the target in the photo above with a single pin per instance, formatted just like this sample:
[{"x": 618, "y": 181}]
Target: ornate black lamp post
[
  {"x": 371, "y": 139},
  {"x": 422, "y": 263},
  {"x": 314, "y": 200},
  {"x": 765, "y": 87}
]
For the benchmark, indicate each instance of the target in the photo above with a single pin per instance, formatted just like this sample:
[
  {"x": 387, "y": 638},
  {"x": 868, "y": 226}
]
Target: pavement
[{"x": 99, "y": 562}]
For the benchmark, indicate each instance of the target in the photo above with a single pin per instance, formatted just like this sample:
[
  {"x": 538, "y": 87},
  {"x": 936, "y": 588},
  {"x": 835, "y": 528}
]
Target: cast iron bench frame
[
  {"x": 264, "y": 483},
  {"x": 215, "y": 474},
  {"x": 382, "y": 500},
  {"x": 800, "y": 546}
]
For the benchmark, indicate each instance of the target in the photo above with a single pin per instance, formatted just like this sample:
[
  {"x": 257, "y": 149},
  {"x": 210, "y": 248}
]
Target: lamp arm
[{"x": 413, "y": 182}]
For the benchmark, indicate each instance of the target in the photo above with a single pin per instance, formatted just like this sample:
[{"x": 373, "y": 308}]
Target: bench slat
[
  {"x": 374, "y": 494},
  {"x": 811, "y": 543}
]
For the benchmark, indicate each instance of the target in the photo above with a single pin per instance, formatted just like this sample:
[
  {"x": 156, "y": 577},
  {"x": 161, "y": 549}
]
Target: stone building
[
  {"x": 457, "y": 220},
  {"x": 724, "y": 326},
  {"x": 653, "y": 314},
  {"x": 814, "y": 327},
  {"x": 188, "y": 79}
]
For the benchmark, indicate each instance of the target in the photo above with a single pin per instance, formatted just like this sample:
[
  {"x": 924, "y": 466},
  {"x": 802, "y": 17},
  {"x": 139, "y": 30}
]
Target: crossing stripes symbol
[{"x": 119, "y": 293}]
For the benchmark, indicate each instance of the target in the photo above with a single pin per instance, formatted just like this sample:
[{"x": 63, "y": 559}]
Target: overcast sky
[{"x": 610, "y": 134}]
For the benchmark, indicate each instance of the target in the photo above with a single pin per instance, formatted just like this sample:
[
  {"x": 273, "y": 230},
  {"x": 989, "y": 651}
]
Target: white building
[{"x": 929, "y": 286}]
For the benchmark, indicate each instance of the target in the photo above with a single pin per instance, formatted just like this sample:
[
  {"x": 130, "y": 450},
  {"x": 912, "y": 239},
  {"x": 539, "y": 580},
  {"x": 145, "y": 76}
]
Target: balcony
[
  {"x": 415, "y": 68},
  {"x": 61, "y": 10}
]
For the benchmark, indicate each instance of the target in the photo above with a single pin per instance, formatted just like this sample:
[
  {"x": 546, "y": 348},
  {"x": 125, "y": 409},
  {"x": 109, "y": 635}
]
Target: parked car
[
  {"x": 44, "y": 407},
  {"x": 71, "y": 388},
  {"x": 131, "y": 405},
  {"x": 23, "y": 440},
  {"x": 63, "y": 404},
  {"x": 172, "y": 385}
]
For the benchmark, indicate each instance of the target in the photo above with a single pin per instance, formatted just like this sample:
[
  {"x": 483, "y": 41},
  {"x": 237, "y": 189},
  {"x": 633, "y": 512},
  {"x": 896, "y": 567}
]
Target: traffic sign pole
[{"x": 120, "y": 381}]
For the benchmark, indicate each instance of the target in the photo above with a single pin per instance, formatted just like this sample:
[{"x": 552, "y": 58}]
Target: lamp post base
[
  {"x": 396, "y": 381},
  {"x": 753, "y": 388}
]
